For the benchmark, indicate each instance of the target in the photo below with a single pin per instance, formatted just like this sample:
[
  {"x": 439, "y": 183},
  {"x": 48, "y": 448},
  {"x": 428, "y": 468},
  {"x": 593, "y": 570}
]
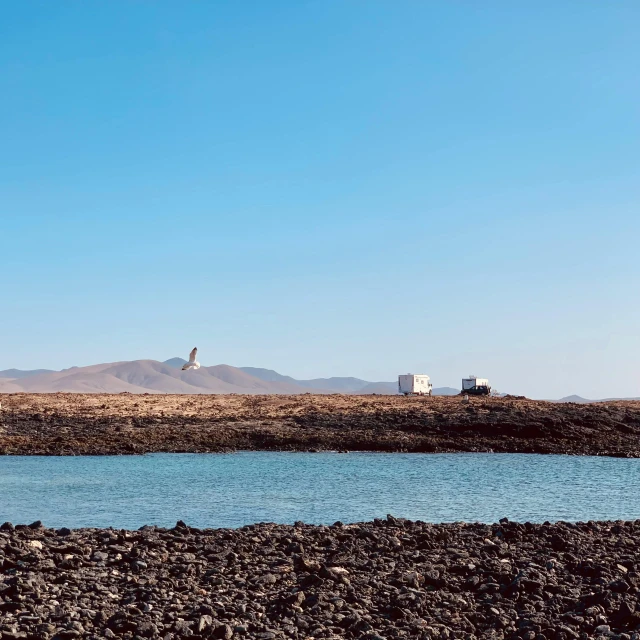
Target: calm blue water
[{"x": 230, "y": 490}]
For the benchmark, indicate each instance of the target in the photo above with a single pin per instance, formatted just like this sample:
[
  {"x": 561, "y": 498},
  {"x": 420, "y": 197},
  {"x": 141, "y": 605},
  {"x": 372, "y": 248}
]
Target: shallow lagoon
[{"x": 231, "y": 490}]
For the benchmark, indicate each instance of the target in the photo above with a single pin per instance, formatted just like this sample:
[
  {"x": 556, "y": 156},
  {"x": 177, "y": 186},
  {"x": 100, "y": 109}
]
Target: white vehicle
[
  {"x": 476, "y": 386},
  {"x": 415, "y": 384}
]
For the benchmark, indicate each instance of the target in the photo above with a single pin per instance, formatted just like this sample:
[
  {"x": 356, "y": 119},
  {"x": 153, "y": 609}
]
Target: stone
[
  {"x": 147, "y": 629},
  {"x": 223, "y": 631},
  {"x": 204, "y": 622},
  {"x": 434, "y": 581}
]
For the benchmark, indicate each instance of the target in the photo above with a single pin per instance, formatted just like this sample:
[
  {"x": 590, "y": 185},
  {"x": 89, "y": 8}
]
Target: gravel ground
[{"x": 389, "y": 578}]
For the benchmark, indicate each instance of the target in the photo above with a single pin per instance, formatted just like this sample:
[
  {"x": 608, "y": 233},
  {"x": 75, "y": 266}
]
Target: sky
[{"x": 325, "y": 188}]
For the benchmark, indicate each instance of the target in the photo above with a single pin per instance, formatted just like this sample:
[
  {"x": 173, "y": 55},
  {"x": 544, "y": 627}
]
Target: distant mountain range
[
  {"x": 152, "y": 376},
  {"x": 18, "y": 373},
  {"x": 581, "y": 400}
]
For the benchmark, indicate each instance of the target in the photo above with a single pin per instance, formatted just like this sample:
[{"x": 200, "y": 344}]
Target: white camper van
[
  {"x": 415, "y": 384},
  {"x": 476, "y": 386}
]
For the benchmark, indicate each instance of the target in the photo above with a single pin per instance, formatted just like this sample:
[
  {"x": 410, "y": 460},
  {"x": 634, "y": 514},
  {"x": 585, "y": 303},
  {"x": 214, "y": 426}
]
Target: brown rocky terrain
[
  {"x": 379, "y": 580},
  {"x": 96, "y": 424}
]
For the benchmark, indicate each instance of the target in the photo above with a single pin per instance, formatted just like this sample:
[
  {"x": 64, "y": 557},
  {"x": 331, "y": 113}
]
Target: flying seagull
[{"x": 193, "y": 363}]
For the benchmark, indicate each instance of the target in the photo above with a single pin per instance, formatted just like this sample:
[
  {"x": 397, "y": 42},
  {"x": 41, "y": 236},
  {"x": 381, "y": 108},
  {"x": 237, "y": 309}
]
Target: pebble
[{"x": 387, "y": 579}]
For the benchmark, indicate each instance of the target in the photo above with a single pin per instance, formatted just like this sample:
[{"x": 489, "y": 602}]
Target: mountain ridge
[
  {"x": 580, "y": 400},
  {"x": 20, "y": 373},
  {"x": 153, "y": 376}
]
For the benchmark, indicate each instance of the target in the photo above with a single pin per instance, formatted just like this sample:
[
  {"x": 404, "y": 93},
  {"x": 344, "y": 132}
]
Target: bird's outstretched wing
[{"x": 192, "y": 355}]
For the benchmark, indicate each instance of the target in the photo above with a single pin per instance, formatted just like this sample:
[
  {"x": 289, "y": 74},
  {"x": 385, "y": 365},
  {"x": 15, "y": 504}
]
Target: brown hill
[
  {"x": 146, "y": 376},
  {"x": 9, "y": 386}
]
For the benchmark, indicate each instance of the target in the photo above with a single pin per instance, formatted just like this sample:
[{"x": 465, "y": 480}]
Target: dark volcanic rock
[
  {"x": 74, "y": 424},
  {"x": 389, "y": 578}
]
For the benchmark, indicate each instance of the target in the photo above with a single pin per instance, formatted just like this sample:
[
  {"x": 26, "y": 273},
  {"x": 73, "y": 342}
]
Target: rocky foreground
[
  {"x": 384, "y": 579},
  {"x": 97, "y": 424}
]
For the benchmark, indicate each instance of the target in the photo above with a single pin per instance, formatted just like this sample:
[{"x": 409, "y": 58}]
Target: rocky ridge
[{"x": 97, "y": 424}]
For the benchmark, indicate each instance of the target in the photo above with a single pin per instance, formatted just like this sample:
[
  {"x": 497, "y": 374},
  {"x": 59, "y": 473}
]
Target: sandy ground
[{"x": 75, "y": 424}]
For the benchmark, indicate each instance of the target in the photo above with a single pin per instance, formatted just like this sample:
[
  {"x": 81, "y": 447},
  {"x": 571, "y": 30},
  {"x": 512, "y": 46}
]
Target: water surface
[{"x": 231, "y": 490}]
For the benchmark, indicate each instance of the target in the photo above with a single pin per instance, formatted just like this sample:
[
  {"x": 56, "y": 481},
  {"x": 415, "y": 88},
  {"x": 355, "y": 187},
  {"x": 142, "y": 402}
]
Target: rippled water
[{"x": 230, "y": 490}]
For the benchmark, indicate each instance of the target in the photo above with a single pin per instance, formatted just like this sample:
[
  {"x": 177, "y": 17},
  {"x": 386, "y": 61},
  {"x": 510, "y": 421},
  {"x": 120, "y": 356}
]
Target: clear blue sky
[{"x": 325, "y": 188}]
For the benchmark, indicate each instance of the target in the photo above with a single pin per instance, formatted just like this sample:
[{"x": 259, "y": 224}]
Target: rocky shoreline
[
  {"x": 388, "y": 578},
  {"x": 103, "y": 424}
]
